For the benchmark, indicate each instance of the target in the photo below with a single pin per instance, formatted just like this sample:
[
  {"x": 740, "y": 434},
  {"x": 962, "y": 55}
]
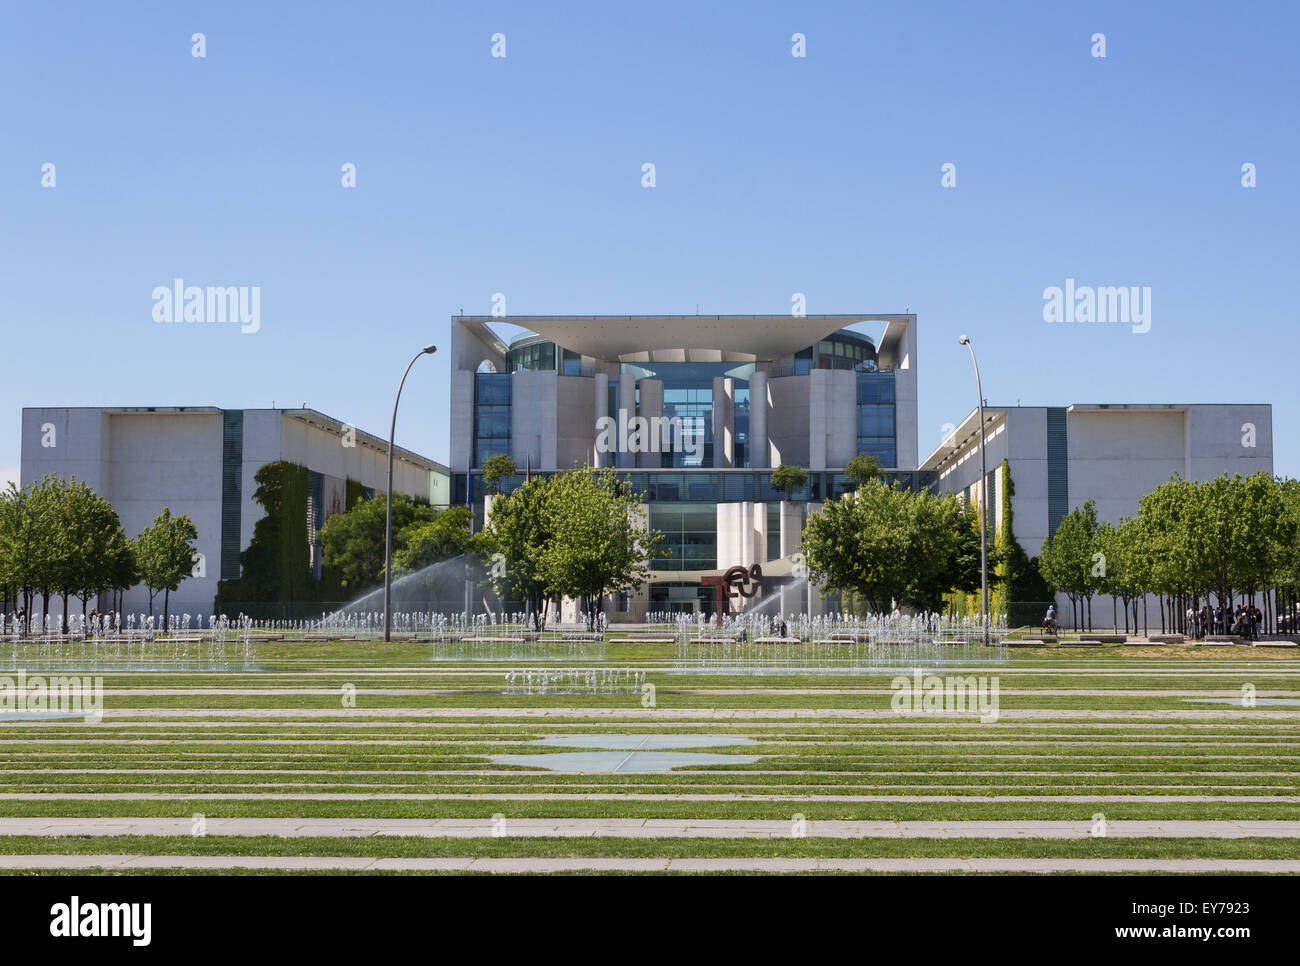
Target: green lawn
[{"x": 1110, "y": 723}]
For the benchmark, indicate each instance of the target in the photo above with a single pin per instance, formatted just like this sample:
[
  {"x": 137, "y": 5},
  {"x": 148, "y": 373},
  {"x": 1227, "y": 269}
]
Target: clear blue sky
[{"x": 522, "y": 175}]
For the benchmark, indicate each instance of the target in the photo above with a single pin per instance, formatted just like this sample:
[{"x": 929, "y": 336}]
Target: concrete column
[
  {"x": 728, "y": 541},
  {"x": 602, "y": 409},
  {"x": 724, "y": 421},
  {"x": 760, "y": 533},
  {"x": 759, "y": 449},
  {"x": 791, "y": 527},
  {"x": 627, "y": 403},
  {"x": 791, "y": 540},
  {"x": 818, "y": 384},
  {"x": 652, "y": 408},
  {"x": 746, "y": 533}
]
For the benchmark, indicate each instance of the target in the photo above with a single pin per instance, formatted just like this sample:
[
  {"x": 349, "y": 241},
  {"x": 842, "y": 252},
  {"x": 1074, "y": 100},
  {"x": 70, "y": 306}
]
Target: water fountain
[
  {"x": 131, "y": 641},
  {"x": 757, "y": 641}
]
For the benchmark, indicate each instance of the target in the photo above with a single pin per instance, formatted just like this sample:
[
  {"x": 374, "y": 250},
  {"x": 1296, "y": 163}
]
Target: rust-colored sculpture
[{"x": 739, "y": 582}]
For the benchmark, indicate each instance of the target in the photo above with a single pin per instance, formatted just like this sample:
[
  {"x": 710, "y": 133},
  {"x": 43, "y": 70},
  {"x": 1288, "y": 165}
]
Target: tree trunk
[{"x": 167, "y": 593}]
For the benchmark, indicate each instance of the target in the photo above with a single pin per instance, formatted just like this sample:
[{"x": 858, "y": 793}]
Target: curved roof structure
[{"x": 729, "y": 337}]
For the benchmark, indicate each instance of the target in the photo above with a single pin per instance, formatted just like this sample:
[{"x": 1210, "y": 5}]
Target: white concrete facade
[
  {"x": 807, "y": 419},
  {"x": 1112, "y": 454},
  {"x": 564, "y": 373},
  {"x": 143, "y": 459}
]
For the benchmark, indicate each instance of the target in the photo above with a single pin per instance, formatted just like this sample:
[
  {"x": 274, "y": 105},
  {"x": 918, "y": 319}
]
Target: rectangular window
[
  {"x": 884, "y": 450},
  {"x": 875, "y": 419},
  {"x": 690, "y": 535},
  {"x": 875, "y": 387},
  {"x": 232, "y": 466},
  {"x": 737, "y": 487},
  {"x": 491, "y": 415}
]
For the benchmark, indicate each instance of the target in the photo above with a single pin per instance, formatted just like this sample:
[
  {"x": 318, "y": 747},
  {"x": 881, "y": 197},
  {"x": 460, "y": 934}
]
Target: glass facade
[
  {"x": 531, "y": 357},
  {"x": 680, "y": 597},
  {"x": 688, "y": 395},
  {"x": 712, "y": 486},
  {"x": 531, "y": 354},
  {"x": 694, "y": 407},
  {"x": 690, "y": 536},
  {"x": 840, "y": 350},
  {"x": 491, "y": 415},
  {"x": 232, "y": 462},
  {"x": 877, "y": 427}
]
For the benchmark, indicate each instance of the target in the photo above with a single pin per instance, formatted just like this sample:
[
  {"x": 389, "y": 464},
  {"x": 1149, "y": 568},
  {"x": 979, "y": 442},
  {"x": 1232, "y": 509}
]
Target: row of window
[
  {"x": 491, "y": 416},
  {"x": 876, "y": 419},
  {"x": 721, "y": 486},
  {"x": 542, "y": 357}
]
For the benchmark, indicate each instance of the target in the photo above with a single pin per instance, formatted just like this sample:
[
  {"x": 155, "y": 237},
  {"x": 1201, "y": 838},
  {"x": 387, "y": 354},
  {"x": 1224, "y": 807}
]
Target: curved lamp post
[
  {"x": 388, "y": 516},
  {"x": 984, "y": 493}
]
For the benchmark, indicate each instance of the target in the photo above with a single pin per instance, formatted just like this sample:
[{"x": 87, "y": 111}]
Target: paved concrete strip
[
  {"x": 637, "y": 828},
  {"x": 616, "y": 797},
  {"x": 1073, "y": 747},
  {"x": 537, "y": 866},
  {"x": 449, "y": 775},
  {"x": 290, "y": 691},
  {"x": 767, "y": 728},
  {"x": 698, "y": 714}
]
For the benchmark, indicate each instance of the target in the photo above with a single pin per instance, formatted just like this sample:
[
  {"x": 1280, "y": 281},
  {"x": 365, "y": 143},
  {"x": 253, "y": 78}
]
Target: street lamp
[
  {"x": 388, "y": 514},
  {"x": 984, "y": 492}
]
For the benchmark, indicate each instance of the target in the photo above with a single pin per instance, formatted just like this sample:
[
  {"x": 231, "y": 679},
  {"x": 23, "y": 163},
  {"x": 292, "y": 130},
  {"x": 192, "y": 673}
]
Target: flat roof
[
  {"x": 759, "y": 337},
  {"x": 309, "y": 416},
  {"x": 967, "y": 430}
]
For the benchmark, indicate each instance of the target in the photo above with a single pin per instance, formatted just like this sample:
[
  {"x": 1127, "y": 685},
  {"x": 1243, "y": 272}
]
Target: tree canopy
[
  {"x": 165, "y": 554},
  {"x": 353, "y": 542},
  {"x": 885, "y": 544},
  {"x": 862, "y": 468},
  {"x": 787, "y": 479},
  {"x": 578, "y": 534}
]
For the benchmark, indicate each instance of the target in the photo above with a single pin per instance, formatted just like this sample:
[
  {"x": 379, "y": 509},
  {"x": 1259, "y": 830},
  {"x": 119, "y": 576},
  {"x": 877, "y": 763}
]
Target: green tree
[
  {"x": 863, "y": 468},
  {"x": 353, "y": 542},
  {"x": 1067, "y": 563},
  {"x": 601, "y": 541},
  {"x": 276, "y": 566},
  {"x": 884, "y": 544},
  {"x": 95, "y": 535},
  {"x": 429, "y": 541},
  {"x": 787, "y": 479},
  {"x": 495, "y": 468},
  {"x": 121, "y": 572},
  {"x": 517, "y": 530},
  {"x": 26, "y": 543},
  {"x": 1022, "y": 591},
  {"x": 165, "y": 554}
]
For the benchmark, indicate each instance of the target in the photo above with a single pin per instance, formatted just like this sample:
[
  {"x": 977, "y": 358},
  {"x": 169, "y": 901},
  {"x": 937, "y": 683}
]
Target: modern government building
[{"x": 697, "y": 410}]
